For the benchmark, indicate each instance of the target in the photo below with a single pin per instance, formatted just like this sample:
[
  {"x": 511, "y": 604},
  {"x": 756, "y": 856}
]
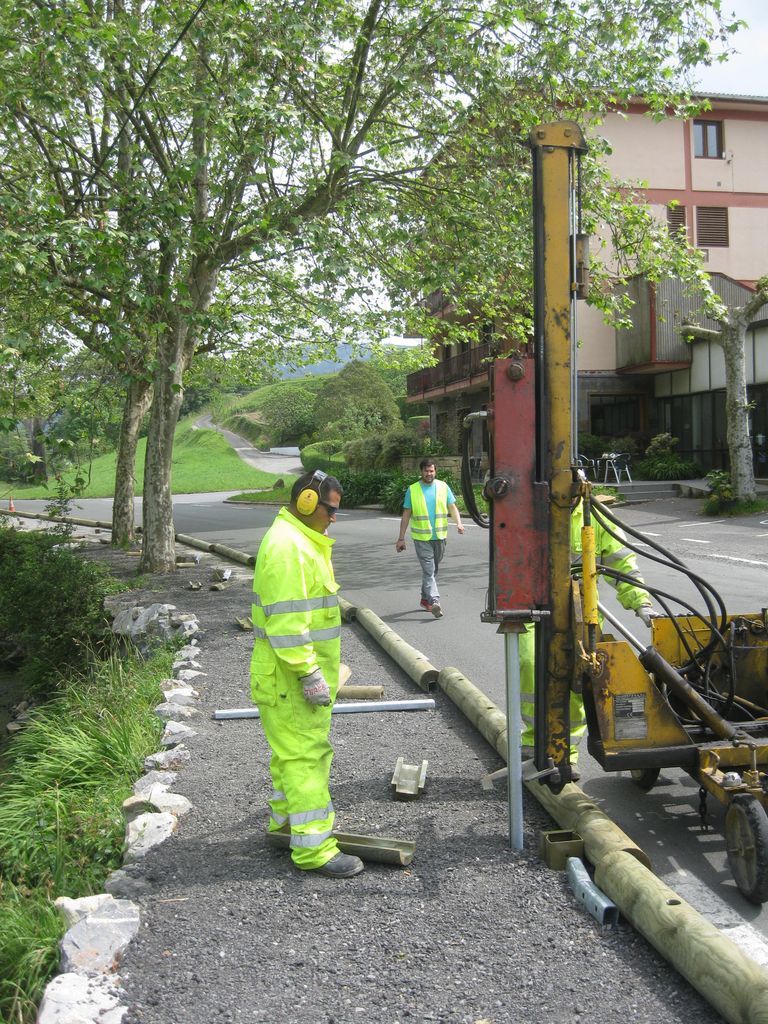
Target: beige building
[{"x": 710, "y": 176}]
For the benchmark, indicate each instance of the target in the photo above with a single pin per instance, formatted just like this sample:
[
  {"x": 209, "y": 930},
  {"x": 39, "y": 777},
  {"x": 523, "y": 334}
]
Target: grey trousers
[{"x": 430, "y": 555}]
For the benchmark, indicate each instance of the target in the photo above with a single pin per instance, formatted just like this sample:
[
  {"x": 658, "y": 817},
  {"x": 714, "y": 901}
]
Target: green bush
[
  {"x": 591, "y": 445},
  {"x": 720, "y": 496},
  {"x": 363, "y": 453},
  {"x": 661, "y": 461},
  {"x": 51, "y": 604},
  {"x": 393, "y": 493},
  {"x": 394, "y": 445},
  {"x": 325, "y": 455},
  {"x": 363, "y": 488}
]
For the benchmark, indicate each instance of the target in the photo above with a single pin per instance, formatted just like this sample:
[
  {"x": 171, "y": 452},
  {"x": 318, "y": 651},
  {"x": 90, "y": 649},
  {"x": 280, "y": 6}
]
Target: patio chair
[
  {"x": 588, "y": 465},
  {"x": 616, "y": 463}
]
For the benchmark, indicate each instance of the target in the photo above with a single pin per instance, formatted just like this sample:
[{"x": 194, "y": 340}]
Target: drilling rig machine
[{"x": 696, "y": 697}]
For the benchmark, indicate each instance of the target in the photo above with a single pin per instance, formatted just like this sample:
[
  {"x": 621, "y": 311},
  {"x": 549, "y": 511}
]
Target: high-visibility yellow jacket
[
  {"x": 613, "y": 554},
  {"x": 421, "y": 528},
  {"x": 295, "y": 611}
]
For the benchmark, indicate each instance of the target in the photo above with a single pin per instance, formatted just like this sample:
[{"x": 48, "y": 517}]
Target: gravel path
[{"x": 470, "y": 933}]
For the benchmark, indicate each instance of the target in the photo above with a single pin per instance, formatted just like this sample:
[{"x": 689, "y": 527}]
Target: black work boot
[{"x": 343, "y": 865}]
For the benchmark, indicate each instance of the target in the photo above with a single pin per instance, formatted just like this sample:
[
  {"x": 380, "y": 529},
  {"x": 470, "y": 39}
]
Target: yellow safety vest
[
  {"x": 295, "y": 610},
  {"x": 421, "y": 528}
]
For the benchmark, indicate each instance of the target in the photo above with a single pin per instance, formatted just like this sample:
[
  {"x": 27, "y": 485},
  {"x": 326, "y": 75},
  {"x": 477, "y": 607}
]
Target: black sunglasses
[{"x": 330, "y": 509}]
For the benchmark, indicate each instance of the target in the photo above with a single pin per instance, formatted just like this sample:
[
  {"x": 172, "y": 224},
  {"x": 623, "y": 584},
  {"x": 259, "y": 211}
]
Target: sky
[{"x": 745, "y": 72}]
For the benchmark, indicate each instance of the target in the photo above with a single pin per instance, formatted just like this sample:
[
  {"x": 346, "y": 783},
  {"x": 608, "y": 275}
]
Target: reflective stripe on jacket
[
  {"x": 421, "y": 528},
  {"x": 295, "y": 610}
]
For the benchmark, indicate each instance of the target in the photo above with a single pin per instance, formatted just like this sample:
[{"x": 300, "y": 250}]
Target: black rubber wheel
[
  {"x": 746, "y": 840},
  {"x": 645, "y": 778}
]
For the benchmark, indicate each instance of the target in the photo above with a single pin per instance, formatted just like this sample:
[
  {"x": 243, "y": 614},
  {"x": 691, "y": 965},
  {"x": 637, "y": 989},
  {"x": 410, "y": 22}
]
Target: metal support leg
[{"x": 514, "y": 764}]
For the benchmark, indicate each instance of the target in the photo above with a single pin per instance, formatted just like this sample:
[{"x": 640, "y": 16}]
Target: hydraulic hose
[
  {"x": 481, "y": 518},
  {"x": 706, "y": 590}
]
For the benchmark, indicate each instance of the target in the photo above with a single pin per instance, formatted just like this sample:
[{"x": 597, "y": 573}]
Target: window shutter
[
  {"x": 675, "y": 218},
  {"x": 712, "y": 226}
]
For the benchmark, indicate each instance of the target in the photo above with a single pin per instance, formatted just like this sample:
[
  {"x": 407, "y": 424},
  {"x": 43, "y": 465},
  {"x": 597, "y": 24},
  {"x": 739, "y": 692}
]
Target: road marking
[
  {"x": 695, "y": 540},
  {"x": 645, "y": 533},
  {"x": 709, "y": 522},
  {"x": 746, "y": 561},
  {"x": 762, "y": 535}
]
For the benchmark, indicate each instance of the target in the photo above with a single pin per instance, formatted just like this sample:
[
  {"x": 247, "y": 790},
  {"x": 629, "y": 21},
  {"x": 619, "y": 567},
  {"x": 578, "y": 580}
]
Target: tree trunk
[
  {"x": 137, "y": 402},
  {"x": 733, "y": 340},
  {"x": 37, "y": 446},
  {"x": 158, "y": 550}
]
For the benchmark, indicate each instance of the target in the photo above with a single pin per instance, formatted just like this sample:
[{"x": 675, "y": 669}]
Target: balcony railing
[{"x": 469, "y": 364}]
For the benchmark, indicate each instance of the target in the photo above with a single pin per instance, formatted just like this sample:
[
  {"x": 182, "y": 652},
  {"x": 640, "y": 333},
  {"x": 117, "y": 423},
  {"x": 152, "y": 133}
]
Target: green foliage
[
  {"x": 51, "y": 604},
  {"x": 363, "y": 452},
  {"x": 288, "y": 411},
  {"x": 325, "y": 455},
  {"x": 393, "y": 493},
  {"x": 395, "y": 444},
  {"x": 591, "y": 445},
  {"x": 356, "y": 402},
  {"x": 202, "y": 461},
  {"x": 362, "y": 488},
  {"x": 14, "y": 466},
  {"x": 273, "y": 189},
  {"x": 64, "y": 778},
  {"x": 276, "y": 414},
  {"x": 721, "y": 495},
  {"x": 661, "y": 462},
  {"x": 29, "y": 953}
]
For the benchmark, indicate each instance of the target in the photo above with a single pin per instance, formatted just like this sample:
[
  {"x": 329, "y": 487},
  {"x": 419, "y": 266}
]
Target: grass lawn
[{"x": 202, "y": 461}]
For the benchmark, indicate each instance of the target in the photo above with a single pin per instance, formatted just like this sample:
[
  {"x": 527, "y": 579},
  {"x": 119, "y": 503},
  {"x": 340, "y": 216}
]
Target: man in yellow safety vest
[
  {"x": 426, "y": 507},
  {"x": 295, "y": 670}
]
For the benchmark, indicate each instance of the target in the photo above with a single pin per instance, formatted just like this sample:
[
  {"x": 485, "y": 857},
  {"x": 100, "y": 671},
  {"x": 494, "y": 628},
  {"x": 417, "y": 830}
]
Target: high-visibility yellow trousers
[
  {"x": 527, "y": 697},
  {"x": 300, "y": 766}
]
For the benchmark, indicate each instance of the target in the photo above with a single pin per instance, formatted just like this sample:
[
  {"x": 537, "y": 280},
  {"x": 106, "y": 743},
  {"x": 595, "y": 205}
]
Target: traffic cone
[{"x": 11, "y": 506}]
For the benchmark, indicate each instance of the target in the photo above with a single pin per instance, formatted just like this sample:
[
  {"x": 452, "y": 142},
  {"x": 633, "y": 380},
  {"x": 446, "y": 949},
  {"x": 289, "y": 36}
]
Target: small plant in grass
[{"x": 721, "y": 500}]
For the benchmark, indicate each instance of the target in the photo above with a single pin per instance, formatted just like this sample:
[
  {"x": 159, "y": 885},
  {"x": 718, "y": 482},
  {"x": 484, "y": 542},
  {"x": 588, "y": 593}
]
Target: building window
[
  {"x": 711, "y": 226},
  {"x": 675, "y": 218},
  {"x": 708, "y": 139}
]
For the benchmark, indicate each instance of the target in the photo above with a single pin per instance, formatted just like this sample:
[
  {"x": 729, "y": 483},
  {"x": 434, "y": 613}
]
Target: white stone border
[{"x": 100, "y": 927}]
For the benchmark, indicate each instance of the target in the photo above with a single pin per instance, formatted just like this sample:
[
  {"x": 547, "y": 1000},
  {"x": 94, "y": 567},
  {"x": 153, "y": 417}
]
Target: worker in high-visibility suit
[
  {"x": 613, "y": 554},
  {"x": 295, "y": 670}
]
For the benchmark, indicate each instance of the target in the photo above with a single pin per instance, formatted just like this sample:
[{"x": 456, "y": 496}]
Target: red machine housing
[{"x": 519, "y": 541}]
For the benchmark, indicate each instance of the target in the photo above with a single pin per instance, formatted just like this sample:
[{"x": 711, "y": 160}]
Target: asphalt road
[{"x": 732, "y": 555}]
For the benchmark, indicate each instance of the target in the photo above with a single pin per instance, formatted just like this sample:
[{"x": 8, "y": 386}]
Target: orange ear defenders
[{"x": 306, "y": 503}]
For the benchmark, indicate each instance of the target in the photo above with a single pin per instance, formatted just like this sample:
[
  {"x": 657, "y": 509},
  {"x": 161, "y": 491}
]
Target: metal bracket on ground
[
  {"x": 596, "y": 902},
  {"x": 380, "y": 849},
  {"x": 529, "y": 773},
  {"x": 409, "y": 779}
]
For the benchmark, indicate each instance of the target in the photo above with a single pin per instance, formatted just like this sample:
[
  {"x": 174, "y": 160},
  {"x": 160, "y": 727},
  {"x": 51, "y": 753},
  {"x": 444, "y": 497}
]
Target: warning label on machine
[{"x": 629, "y": 721}]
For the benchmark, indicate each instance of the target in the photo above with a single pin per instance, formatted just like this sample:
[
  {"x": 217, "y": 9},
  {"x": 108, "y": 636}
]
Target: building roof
[{"x": 730, "y": 97}]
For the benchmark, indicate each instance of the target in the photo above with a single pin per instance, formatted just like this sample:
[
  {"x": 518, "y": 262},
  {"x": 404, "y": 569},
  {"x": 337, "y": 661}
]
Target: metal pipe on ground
[
  {"x": 413, "y": 662},
  {"x": 354, "y": 707}
]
